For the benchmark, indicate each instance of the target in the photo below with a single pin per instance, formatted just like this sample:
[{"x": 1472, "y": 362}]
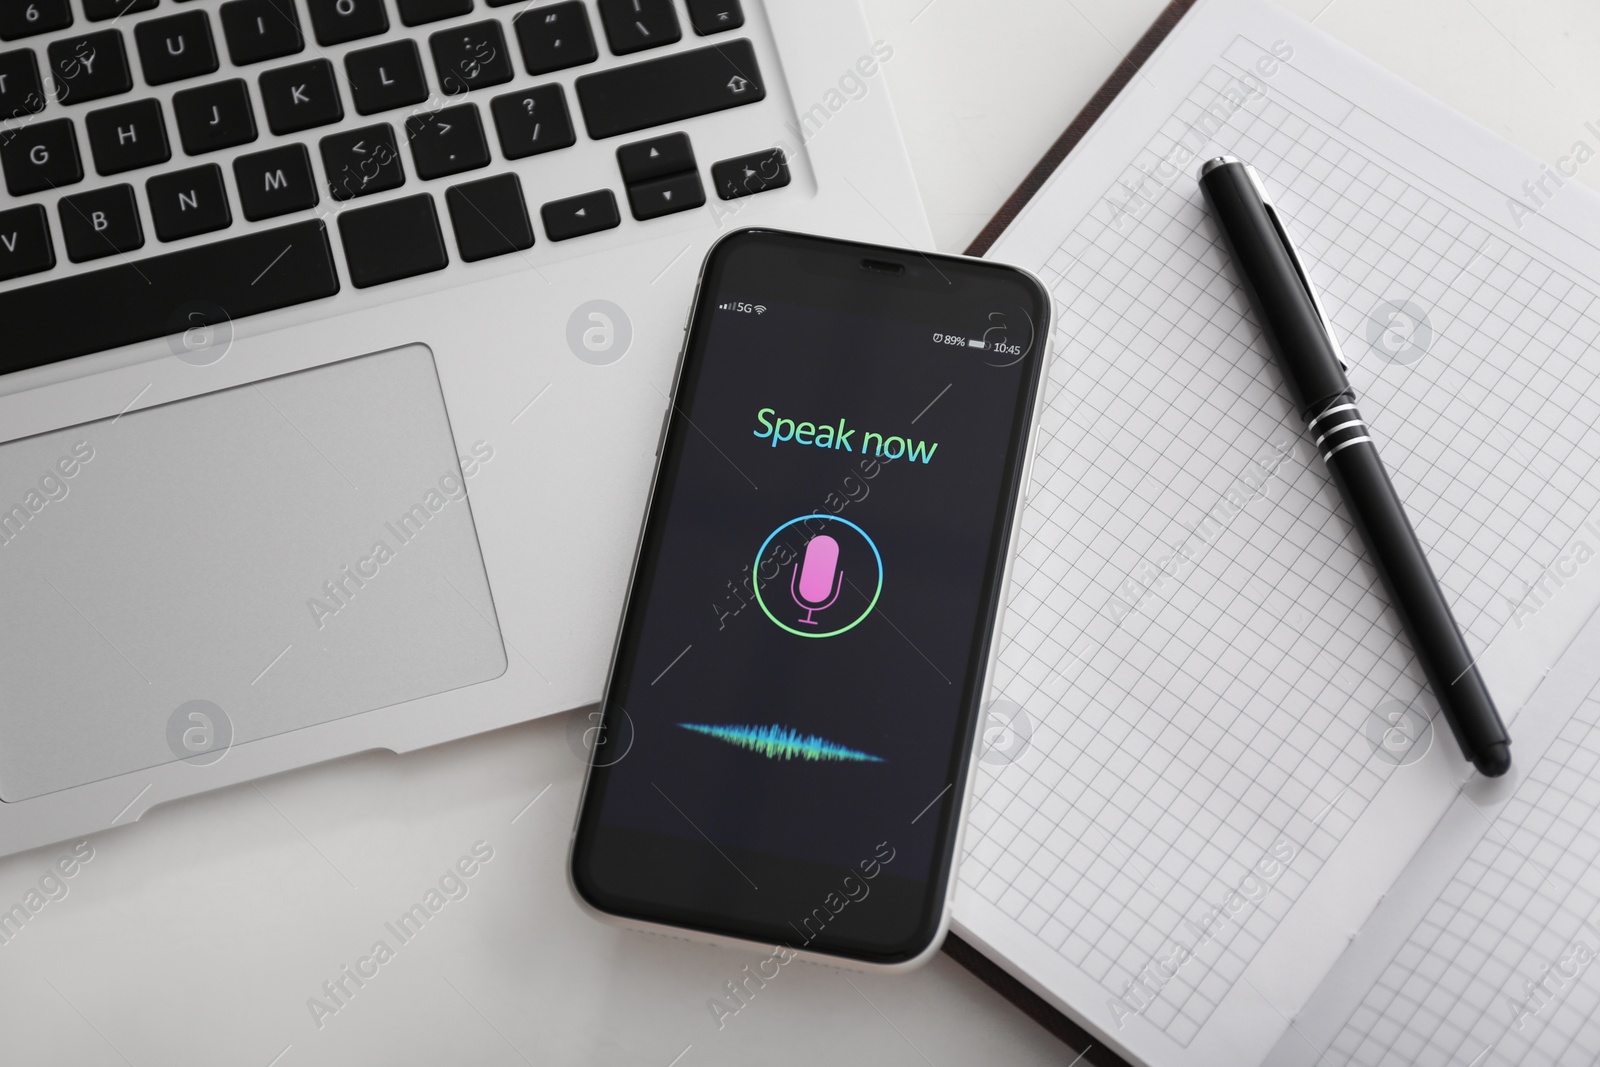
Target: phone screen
[{"x": 782, "y": 750}]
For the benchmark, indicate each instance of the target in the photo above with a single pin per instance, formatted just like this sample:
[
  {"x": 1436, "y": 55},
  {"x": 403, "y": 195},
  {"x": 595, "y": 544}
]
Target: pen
[{"x": 1302, "y": 339}]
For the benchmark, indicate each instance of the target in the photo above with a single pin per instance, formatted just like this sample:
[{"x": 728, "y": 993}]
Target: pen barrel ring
[{"x": 1338, "y": 426}]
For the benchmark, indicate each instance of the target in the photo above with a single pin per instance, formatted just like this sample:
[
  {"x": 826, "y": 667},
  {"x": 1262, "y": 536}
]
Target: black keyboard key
[
  {"x": 89, "y": 67},
  {"x": 127, "y": 136},
  {"x": 578, "y": 215},
  {"x": 214, "y": 116},
  {"x": 39, "y": 156},
  {"x": 714, "y": 16},
  {"x": 387, "y": 76},
  {"x": 101, "y": 222},
  {"x": 359, "y": 162},
  {"x": 490, "y": 217},
  {"x": 275, "y": 182},
  {"x": 100, "y": 10},
  {"x": 300, "y": 97},
  {"x": 338, "y": 21},
  {"x": 746, "y": 175},
  {"x": 634, "y": 25},
  {"x": 21, "y": 92},
  {"x": 533, "y": 121},
  {"x": 670, "y": 89},
  {"x": 387, "y": 242},
  {"x": 188, "y": 202},
  {"x": 656, "y": 157},
  {"x": 555, "y": 37},
  {"x": 176, "y": 47},
  {"x": 664, "y": 196},
  {"x": 25, "y": 241},
  {"x": 24, "y": 18},
  {"x": 417, "y": 12},
  {"x": 259, "y": 30},
  {"x": 133, "y": 302},
  {"x": 447, "y": 141},
  {"x": 470, "y": 57}
]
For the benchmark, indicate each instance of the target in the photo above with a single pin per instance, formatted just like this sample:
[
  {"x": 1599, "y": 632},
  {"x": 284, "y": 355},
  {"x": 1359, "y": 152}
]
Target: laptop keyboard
[{"x": 444, "y": 102}]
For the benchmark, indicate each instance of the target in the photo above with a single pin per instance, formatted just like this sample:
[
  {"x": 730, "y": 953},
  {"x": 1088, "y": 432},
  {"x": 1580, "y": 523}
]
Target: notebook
[{"x": 1220, "y": 752}]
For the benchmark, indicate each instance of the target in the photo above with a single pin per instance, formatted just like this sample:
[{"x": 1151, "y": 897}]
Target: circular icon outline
[
  {"x": 1015, "y": 726},
  {"x": 762, "y": 551},
  {"x": 1417, "y": 340},
  {"x": 213, "y": 720},
  {"x": 582, "y": 322}
]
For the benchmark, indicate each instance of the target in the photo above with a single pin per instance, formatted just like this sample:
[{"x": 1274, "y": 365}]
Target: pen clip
[{"x": 1299, "y": 268}]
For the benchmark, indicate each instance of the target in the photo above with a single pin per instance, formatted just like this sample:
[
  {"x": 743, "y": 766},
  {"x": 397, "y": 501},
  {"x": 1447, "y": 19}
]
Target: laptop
[{"x": 335, "y": 343}]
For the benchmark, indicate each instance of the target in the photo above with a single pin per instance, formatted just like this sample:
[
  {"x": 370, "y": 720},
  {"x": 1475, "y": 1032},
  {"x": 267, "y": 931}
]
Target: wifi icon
[{"x": 760, "y": 309}]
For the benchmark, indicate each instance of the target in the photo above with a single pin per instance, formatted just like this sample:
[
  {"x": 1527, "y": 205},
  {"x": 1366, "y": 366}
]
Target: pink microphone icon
[{"x": 813, "y": 578}]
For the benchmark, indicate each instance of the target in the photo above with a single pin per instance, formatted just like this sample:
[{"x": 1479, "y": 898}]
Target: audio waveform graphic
[{"x": 780, "y": 742}]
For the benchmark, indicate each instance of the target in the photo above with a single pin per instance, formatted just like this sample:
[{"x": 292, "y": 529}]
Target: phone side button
[{"x": 661, "y": 438}]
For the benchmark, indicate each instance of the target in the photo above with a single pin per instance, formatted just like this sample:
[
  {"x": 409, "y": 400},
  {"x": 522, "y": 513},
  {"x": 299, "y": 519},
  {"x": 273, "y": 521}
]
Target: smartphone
[{"x": 785, "y": 744}]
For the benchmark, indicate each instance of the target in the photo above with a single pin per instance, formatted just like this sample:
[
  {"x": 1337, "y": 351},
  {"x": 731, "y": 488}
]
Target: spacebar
[{"x": 143, "y": 298}]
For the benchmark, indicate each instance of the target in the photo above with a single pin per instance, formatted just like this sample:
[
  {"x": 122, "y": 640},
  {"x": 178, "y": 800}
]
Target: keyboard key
[
  {"x": 489, "y": 216},
  {"x": 89, "y": 67},
  {"x": 300, "y": 97},
  {"x": 656, "y": 157},
  {"x": 746, "y": 175},
  {"x": 25, "y": 241},
  {"x": 338, "y": 21},
  {"x": 385, "y": 77},
  {"x": 134, "y": 302},
  {"x": 670, "y": 89},
  {"x": 714, "y": 16},
  {"x": 21, "y": 92},
  {"x": 127, "y": 136},
  {"x": 555, "y": 37},
  {"x": 275, "y": 182},
  {"x": 387, "y": 242},
  {"x": 100, "y": 10},
  {"x": 447, "y": 141},
  {"x": 664, "y": 196},
  {"x": 101, "y": 222},
  {"x": 258, "y": 30},
  {"x": 188, "y": 202},
  {"x": 634, "y": 25},
  {"x": 39, "y": 156},
  {"x": 418, "y": 12},
  {"x": 214, "y": 116},
  {"x": 470, "y": 57},
  {"x": 359, "y": 162},
  {"x": 532, "y": 121},
  {"x": 176, "y": 47},
  {"x": 24, "y": 18},
  {"x": 578, "y": 215}
]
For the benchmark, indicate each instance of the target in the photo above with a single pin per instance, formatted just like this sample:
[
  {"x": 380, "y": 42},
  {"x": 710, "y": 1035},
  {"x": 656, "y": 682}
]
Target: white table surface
[{"x": 198, "y": 935}]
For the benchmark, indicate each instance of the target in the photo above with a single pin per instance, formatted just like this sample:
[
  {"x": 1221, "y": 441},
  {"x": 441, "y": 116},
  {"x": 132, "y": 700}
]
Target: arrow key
[
  {"x": 362, "y": 161},
  {"x": 755, "y": 173},
  {"x": 663, "y": 196},
  {"x": 579, "y": 215},
  {"x": 656, "y": 157}
]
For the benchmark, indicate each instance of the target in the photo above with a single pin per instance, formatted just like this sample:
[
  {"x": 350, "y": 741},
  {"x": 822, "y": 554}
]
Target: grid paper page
[
  {"x": 1193, "y": 629},
  {"x": 1498, "y": 971}
]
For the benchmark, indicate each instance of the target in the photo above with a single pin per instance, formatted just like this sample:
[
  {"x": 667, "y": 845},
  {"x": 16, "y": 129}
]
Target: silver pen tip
[{"x": 1212, "y": 164}]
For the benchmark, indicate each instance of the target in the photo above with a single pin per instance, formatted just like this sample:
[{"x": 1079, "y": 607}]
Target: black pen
[{"x": 1297, "y": 328}]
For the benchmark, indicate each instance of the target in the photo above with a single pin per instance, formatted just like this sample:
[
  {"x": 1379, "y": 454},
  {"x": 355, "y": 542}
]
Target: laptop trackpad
[{"x": 289, "y": 552}]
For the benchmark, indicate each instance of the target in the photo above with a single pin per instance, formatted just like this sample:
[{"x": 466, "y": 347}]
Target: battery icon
[{"x": 975, "y": 343}]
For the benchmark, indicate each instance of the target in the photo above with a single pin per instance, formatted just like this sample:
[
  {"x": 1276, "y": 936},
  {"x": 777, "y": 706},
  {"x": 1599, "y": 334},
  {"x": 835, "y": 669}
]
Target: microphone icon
[{"x": 813, "y": 578}]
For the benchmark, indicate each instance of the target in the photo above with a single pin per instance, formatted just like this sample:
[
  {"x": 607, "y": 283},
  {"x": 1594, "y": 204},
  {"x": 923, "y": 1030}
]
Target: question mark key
[{"x": 530, "y": 121}]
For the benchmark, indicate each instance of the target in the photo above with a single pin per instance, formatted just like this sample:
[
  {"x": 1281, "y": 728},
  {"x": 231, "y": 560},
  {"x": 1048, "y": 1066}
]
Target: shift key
[{"x": 670, "y": 89}]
